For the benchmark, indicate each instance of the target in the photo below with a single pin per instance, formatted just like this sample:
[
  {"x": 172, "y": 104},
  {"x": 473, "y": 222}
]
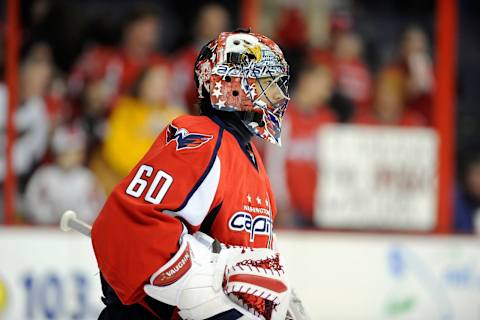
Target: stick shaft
[
  {"x": 80, "y": 226},
  {"x": 70, "y": 221}
]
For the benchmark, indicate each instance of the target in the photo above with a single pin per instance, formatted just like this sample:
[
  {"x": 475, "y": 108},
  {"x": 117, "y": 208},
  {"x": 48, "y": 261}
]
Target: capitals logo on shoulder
[{"x": 186, "y": 139}]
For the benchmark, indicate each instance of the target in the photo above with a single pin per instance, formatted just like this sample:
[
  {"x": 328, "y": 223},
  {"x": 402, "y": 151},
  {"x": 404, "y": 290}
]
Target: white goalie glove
[{"x": 237, "y": 283}]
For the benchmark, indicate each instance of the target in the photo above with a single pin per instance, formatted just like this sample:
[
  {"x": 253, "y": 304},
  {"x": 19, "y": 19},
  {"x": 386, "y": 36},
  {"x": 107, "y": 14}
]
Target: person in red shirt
[
  {"x": 293, "y": 167},
  {"x": 351, "y": 73},
  {"x": 390, "y": 103},
  {"x": 416, "y": 65},
  {"x": 201, "y": 174},
  {"x": 344, "y": 57},
  {"x": 112, "y": 71}
]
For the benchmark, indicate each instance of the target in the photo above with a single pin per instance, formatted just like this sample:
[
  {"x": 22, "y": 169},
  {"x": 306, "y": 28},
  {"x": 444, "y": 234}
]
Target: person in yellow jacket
[{"x": 137, "y": 120}]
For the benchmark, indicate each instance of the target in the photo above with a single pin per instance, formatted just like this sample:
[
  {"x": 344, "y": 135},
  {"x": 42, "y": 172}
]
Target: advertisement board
[
  {"x": 343, "y": 276},
  {"x": 47, "y": 274},
  {"x": 376, "y": 178}
]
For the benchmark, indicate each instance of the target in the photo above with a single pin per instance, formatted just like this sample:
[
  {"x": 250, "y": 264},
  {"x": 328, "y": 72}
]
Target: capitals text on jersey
[{"x": 243, "y": 221}]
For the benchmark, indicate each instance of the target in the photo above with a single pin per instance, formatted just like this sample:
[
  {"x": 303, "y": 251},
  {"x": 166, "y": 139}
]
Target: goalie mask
[{"x": 246, "y": 73}]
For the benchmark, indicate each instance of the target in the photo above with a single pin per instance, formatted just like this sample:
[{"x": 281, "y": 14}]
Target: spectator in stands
[
  {"x": 467, "y": 196},
  {"x": 135, "y": 123},
  {"x": 55, "y": 88},
  {"x": 341, "y": 22},
  {"x": 65, "y": 184},
  {"x": 102, "y": 73},
  {"x": 352, "y": 75},
  {"x": 416, "y": 64},
  {"x": 31, "y": 118},
  {"x": 390, "y": 103},
  {"x": 344, "y": 56},
  {"x": 293, "y": 168},
  {"x": 212, "y": 19},
  {"x": 110, "y": 72}
]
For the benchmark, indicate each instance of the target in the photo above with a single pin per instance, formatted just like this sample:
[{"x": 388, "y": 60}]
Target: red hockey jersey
[{"x": 195, "y": 173}]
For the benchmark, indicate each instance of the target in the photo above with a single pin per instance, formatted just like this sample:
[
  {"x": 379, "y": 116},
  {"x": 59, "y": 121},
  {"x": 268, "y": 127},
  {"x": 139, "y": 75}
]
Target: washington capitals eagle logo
[{"x": 185, "y": 139}]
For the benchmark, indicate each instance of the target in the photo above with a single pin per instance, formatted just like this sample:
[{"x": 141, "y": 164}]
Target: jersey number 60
[{"x": 138, "y": 184}]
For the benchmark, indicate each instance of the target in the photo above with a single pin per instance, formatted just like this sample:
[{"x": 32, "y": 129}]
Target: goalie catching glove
[{"x": 236, "y": 283}]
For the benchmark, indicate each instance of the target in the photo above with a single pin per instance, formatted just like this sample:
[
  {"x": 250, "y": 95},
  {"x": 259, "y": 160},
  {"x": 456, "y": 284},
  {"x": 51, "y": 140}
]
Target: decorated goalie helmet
[{"x": 246, "y": 73}]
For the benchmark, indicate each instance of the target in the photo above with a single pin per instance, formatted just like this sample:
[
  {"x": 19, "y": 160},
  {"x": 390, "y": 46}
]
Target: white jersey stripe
[{"x": 200, "y": 202}]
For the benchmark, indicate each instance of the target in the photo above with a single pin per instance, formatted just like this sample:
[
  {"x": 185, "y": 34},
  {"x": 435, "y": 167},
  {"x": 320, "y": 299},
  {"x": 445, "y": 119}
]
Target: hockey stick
[{"x": 70, "y": 221}]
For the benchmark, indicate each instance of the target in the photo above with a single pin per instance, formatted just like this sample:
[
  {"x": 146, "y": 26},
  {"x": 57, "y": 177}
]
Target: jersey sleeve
[{"x": 138, "y": 229}]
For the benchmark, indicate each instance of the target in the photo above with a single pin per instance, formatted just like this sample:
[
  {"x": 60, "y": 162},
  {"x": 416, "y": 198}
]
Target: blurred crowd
[{"x": 82, "y": 128}]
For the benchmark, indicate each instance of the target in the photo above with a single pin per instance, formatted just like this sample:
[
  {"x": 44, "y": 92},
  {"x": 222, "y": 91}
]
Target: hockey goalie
[{"x": 188, "y": 233}]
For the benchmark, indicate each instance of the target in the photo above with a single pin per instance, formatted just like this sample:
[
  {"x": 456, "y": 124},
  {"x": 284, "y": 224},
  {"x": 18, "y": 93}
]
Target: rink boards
[{"x": 47, "y": 274}]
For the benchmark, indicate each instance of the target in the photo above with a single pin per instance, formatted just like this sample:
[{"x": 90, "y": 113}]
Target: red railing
[
  {"x": 12, "y": 34},
  {"x": 444, "y": 107}
]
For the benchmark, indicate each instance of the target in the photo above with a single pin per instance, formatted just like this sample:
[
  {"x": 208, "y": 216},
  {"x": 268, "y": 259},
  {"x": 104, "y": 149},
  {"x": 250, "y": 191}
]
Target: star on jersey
[
  {"x": 267, "y": 203},
  {"x": 259, "y": 201},
  {"x": 249, "y": 198},
  {"x": 221, "y": 104},
  {"x": 185, "y": 139}
]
